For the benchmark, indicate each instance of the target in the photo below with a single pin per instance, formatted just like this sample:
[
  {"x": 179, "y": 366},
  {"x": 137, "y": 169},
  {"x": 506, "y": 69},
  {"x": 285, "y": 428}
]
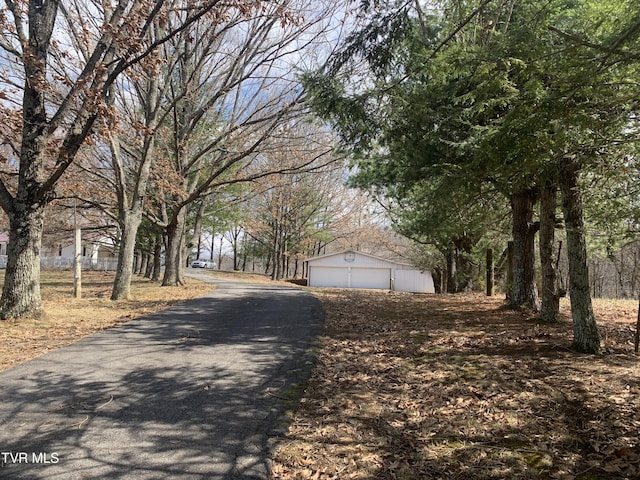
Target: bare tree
[
  {"x": 124, "y": 159},
  {"x": 59, "y": 60},
  {"x": 231, "y": 91},
  {"x": 295, "y": 215}
]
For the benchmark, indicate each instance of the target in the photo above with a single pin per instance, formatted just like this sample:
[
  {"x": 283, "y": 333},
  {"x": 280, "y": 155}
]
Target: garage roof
[{"x": 348, "y": 257}]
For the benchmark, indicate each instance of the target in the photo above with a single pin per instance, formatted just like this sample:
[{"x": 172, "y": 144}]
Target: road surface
[{"x": 198, "y": 391}]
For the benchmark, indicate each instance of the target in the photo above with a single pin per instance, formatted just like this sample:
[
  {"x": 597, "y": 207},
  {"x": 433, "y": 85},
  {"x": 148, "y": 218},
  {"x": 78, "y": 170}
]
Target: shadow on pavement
[{"x": 201, "y": 390}]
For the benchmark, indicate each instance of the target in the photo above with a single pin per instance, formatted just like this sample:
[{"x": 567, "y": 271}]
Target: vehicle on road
[{"x": 202, "y": 264}]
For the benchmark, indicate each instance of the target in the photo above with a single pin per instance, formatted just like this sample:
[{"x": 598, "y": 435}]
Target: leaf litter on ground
[{"x": 458, "y": 387}]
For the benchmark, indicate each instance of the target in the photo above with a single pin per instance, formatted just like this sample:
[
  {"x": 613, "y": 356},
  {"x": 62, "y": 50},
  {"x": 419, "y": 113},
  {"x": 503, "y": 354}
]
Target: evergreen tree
[{"x": 489, "y": 98}]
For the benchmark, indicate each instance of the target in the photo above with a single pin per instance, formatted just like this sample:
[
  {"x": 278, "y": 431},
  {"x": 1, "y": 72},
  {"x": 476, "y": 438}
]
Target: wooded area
[{"x": 478, "y": 115}]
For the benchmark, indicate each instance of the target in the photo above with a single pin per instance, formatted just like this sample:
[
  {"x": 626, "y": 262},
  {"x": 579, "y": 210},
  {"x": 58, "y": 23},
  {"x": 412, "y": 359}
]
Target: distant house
[
  {"x": 97, "y": 252},
  {"x": 359, "y": 270}
]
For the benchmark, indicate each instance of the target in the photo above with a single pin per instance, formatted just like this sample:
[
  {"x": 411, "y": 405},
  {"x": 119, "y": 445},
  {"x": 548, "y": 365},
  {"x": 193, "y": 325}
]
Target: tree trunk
[
  {"x": 490, "y": 273},
  {"x": 174, "y": 264},
  {"x": 550, "y": 311},
  {"x": 636, "y": 337},
  {"x": 157, "y": 258},
  {"x": 21, "y": 291},
  {"x": 267, "y": 264},
  {"x": 275, "y": 251},
  {"x": 508, "y": 287},
  {"x": 220, "y": 252},
  {"x": 244, "y": 259},
  {"x": 525, "y": 291},
  {"x": 452, "y": 286},
  {"x": 77, "y": 263},
  {"x": 235, "y": 254},
  {"x": 144, "y": 263},
  {"x": 149, "y": 262},
  {"x": 126, "y": 256},
  {"x": 137, "y": 262},
  {"x": 437, "y": 280},
  {"x": 585, "y": 331},
  {"x": 197, "y": 233}
]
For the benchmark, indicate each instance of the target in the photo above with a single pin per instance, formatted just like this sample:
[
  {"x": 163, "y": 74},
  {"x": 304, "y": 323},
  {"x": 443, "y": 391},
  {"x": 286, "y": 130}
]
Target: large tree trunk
[
  {"x": 550, "y": 311},
  {"x": 585, "y": 331},
  {"x": 452, "y": 274},
  {"x": 174, "y": 264},
  {"x": 157, "y": 258},
  {"x": 525, "y": 291},
  {"x": 438, "y": 279},
  {"x": 21, "y": 291},
  {"x": 122, "y": 283}
]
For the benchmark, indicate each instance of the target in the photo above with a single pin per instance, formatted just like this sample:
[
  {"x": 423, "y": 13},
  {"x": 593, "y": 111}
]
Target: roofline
[{"x": 359, "y": 253}]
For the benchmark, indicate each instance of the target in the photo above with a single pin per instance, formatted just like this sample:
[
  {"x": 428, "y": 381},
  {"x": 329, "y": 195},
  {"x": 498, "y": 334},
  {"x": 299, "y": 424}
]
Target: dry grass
[
  {"x": 250, "y": 277},
  {"x": 456, "y": 387},
  {"x": 70, "y": 319}
]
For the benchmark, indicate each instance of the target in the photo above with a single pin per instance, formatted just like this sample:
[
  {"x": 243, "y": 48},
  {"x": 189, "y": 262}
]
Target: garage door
[
  {"x": 413, "y": 281},
  {"x": 378, "y": 278},
  {"x": 328, "y": 277}
]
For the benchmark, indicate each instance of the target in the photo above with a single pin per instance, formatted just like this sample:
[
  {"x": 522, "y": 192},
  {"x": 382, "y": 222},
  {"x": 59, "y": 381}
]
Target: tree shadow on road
[{"x": 199, "y": 391}]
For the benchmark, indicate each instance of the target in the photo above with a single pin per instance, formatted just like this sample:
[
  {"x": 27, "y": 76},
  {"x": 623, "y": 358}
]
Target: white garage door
[
  {"x": 413, "y": 281},
  {"x": 328, "y": 277},
  {"x": 379, "y": 278}
]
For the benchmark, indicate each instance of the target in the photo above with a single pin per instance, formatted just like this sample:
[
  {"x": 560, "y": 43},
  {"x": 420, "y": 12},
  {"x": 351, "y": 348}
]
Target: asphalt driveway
[{"x": 198, "y": 391}]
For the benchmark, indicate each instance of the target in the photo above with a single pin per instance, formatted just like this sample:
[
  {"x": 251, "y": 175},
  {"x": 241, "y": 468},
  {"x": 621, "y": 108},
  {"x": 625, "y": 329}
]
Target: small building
[
  {"x": 98, "y": 252},
  {"x": 359, "y": 270}
]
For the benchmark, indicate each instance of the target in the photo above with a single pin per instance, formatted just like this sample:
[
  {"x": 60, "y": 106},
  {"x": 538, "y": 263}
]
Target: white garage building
[{"x": 359, "y": 270}]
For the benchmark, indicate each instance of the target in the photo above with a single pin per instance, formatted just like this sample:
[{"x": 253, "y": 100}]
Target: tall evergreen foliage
[{"x": 456, "y": 114}]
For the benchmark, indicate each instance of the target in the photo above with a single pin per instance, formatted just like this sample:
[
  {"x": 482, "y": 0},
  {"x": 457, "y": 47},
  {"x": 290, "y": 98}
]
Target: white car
[{"x": 202, "y": 264}]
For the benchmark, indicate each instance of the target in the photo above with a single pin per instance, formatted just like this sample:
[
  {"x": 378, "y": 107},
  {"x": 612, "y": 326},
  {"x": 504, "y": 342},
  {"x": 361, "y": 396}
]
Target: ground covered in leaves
[
  {"x": 69, "y": 319},
  {"x": 456, "y": 387}
]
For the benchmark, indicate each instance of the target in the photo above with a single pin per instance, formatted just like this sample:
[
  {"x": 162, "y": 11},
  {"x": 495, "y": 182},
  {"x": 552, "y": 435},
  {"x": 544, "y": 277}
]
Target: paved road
[{"x": 199, "y": 391}]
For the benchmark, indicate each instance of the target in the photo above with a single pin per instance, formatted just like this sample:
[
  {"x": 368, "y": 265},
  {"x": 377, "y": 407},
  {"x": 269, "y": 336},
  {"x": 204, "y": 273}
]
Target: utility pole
[{"x": 77, "y": 257}]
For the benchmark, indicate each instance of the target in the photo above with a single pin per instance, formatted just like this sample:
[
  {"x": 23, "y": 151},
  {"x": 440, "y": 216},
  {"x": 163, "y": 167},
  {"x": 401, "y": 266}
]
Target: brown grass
[
  {"x": 250, "y": 277},
  {"x": 456, "y": 387},
  {"x": 68, "y": 319}
]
